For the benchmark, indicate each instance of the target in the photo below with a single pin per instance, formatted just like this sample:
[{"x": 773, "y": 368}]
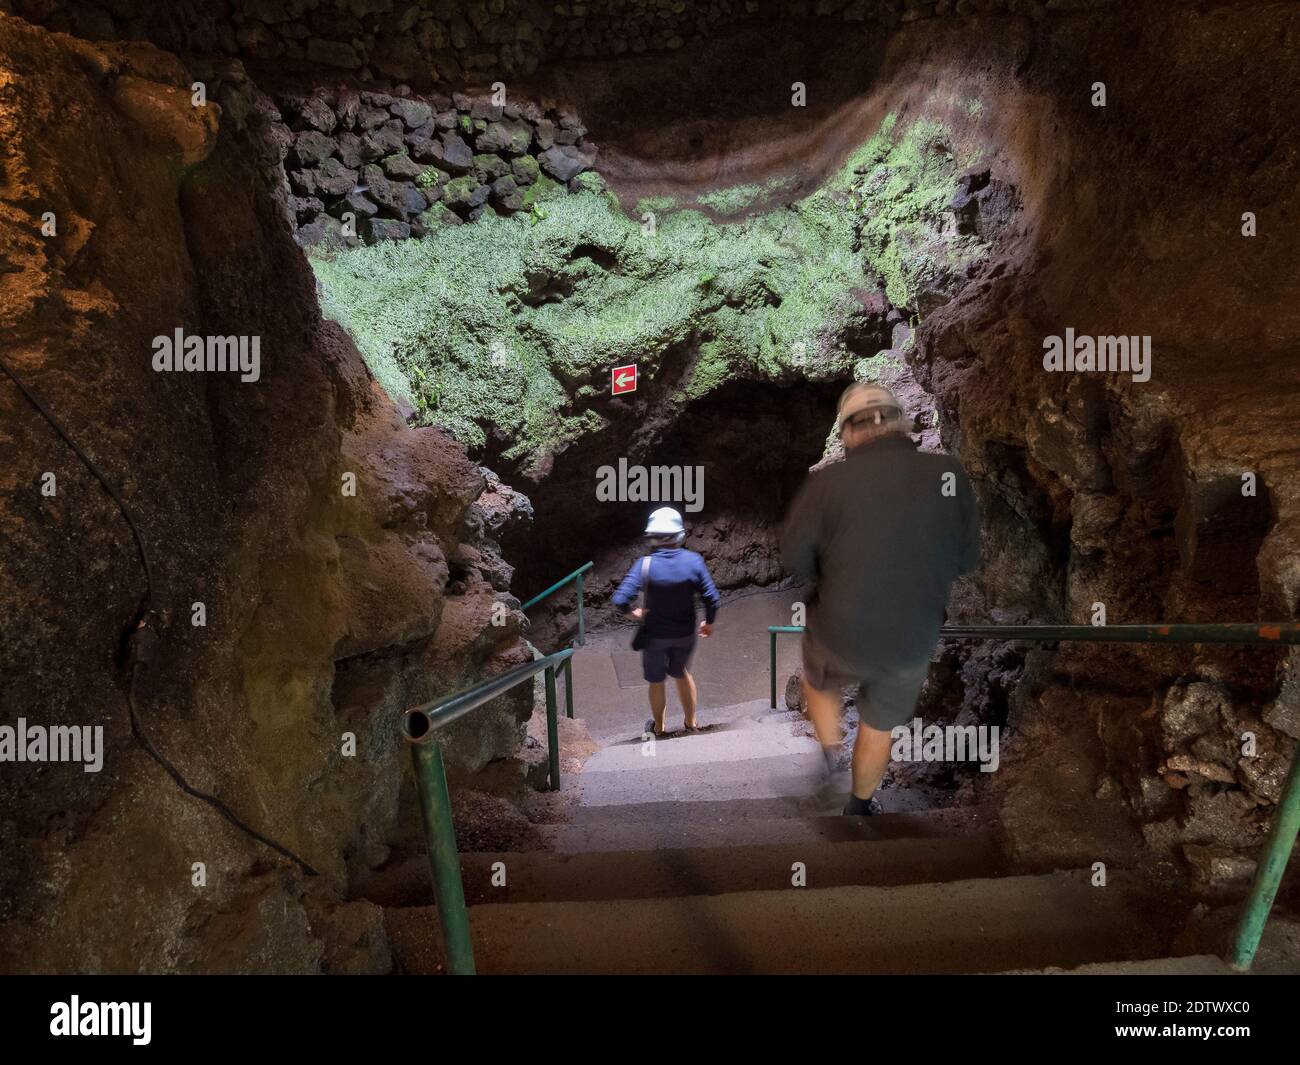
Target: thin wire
[
  {"x": 54, "y": 422},
  {"x": 137, "y": 730},
  {"x": 221, "y": 808}
]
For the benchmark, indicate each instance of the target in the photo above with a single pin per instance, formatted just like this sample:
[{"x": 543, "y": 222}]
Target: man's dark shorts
[
  {"x": 666, "y": 657},
  {"x": 886, "y": 695}
]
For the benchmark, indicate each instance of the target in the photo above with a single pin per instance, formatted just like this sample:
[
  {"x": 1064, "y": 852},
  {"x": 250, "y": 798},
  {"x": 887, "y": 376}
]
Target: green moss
[
  {"x": 741, "y": 198},
  {"x": 868, "y": 155},
  {"x": 525, "y": 169},
  {"x": 541, "y": 190},
  {"x": 901, "y": 186},
  {"x": 438, "y": 215},
  {"x": 732, "y": 200},
  {"x": 654, "y": 205},
  {"x": 489, "y": 166},
  {"x": 881, "y": 368},
  {"x": 714, "y": 367},
  {"x": 572, "y": 286},
  {"x": 590, "y": 181}
]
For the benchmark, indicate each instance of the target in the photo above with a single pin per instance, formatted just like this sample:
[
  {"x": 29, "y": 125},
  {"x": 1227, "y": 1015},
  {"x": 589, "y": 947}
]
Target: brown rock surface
[{"x": 326, "y": 612}]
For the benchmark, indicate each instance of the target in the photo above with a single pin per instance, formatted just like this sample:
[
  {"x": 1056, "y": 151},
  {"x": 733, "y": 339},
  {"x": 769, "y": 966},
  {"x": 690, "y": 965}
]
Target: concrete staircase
[{"x": 686, "y": 861}]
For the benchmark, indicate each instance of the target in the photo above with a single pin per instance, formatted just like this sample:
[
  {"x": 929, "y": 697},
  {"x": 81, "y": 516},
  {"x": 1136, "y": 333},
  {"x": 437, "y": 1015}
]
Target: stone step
[
  {"x": 966, "y": 926},
  {"x": 781, "y": 776},
  {"x": 1191, "y": 965},
  {"x": 740, "y": 741},
  {"x": 541, "y": 877},
  {"x": 1267, "y": 963},
  {"x": 650, "y": 826}
]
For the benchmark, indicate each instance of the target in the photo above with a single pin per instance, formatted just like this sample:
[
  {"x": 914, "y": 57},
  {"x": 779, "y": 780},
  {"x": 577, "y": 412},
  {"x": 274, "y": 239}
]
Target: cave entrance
[
  {"x": 743, "y": 450},
  {"x": 753, "y": 442}
]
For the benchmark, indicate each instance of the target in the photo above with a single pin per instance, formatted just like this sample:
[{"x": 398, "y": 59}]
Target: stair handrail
[
  {"x": 1286, "y": 819},
  {"x": 1268, "y": 633},
  {"x": 575, "y": 577},
  {"x": 418, "y": 726}
]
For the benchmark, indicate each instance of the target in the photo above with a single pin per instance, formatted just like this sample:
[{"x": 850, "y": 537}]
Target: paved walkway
[
  {"x": 731, "y": 667},
  {"x": 746, "y": 753}
]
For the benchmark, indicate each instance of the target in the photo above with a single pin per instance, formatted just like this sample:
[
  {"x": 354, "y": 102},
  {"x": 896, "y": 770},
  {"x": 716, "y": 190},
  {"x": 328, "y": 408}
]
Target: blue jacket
[{"x": 677, "y": 576}]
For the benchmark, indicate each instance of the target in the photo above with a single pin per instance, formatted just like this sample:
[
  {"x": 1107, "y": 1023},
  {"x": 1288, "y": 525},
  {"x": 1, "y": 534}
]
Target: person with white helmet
[
  {"x": 881, "y": 535},
  {"x": 668, "y": 580}
]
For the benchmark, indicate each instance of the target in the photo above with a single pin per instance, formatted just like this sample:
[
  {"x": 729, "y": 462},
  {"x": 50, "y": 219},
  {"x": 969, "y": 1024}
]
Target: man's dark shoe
[{"x": 863, "y": 807}]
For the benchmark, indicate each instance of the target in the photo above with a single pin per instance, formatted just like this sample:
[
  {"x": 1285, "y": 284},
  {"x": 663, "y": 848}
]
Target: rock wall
[
  {"x": 127, "y": 213},
  {"x": 1139, "y": 218},
  {"x": 441, "y": 41},
  {"x": 373, "y": 166}
]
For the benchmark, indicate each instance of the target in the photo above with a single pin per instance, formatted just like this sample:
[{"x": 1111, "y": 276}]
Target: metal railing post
[
  {"x": 582, "y": 622},
  {"x": 444, "y": 861},
  {"x": 552, "y": 729},
  {"x": 1272, "y": 864},
  {"x": 772, "y": 668},
  {"x": 568, "y": 688}
]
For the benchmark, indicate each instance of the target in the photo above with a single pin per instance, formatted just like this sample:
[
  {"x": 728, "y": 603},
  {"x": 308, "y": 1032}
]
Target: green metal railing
[
  {"x": 1286, "y": 819},
  {"x": 418, "y": 728},
  {"x": 577, "y": 578},
  {"x": 1243, "y": 633}
]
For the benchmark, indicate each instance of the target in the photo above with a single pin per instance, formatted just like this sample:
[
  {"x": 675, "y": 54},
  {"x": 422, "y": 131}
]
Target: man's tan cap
[{"x": 862, "y": 395}]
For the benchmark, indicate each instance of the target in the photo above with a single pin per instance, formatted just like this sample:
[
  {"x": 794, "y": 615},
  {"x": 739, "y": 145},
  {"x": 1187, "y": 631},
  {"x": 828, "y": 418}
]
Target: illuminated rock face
[
  {"x": 1108, "y": 491},
  {"x": 317, "y": 565}
]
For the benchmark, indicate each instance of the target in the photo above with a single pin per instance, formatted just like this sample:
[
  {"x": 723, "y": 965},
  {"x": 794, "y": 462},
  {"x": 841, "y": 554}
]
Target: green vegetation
[
  {"x": 881, "y": 368},
  {"x": 654, "y": 205},
  {"x": 900, "y": 186},
  {"x": 571, "y": 286},
  {"x": 741, "y": 198},
  {"x": 712, "y": 369}
]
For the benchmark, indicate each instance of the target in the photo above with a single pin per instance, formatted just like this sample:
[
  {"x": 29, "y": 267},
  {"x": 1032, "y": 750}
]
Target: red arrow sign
[{"x": 623, "y": 379}]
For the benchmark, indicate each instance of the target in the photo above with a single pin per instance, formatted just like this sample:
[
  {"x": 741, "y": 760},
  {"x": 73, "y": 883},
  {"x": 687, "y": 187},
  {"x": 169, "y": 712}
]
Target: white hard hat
[
  {"x": 865, "y": 396},
  {"x": 665, "y": 522}
]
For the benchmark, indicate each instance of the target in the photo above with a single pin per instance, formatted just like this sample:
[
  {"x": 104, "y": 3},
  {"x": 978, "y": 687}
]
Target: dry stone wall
[
  {"x": 373, "y": 165},
  {"x": 438, "y": 41}
]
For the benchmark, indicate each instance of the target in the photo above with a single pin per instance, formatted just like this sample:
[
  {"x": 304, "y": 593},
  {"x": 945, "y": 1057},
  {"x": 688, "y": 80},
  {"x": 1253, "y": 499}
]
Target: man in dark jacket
[
  {"x": 671, "y": 578},
  {"x": 882, "y": 535}
]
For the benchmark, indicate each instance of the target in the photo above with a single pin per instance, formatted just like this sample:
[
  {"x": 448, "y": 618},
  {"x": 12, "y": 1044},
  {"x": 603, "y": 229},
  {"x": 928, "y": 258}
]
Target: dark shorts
[
  {"x": 886, "y": 694},
  {"x": 666, "y": 657}
]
